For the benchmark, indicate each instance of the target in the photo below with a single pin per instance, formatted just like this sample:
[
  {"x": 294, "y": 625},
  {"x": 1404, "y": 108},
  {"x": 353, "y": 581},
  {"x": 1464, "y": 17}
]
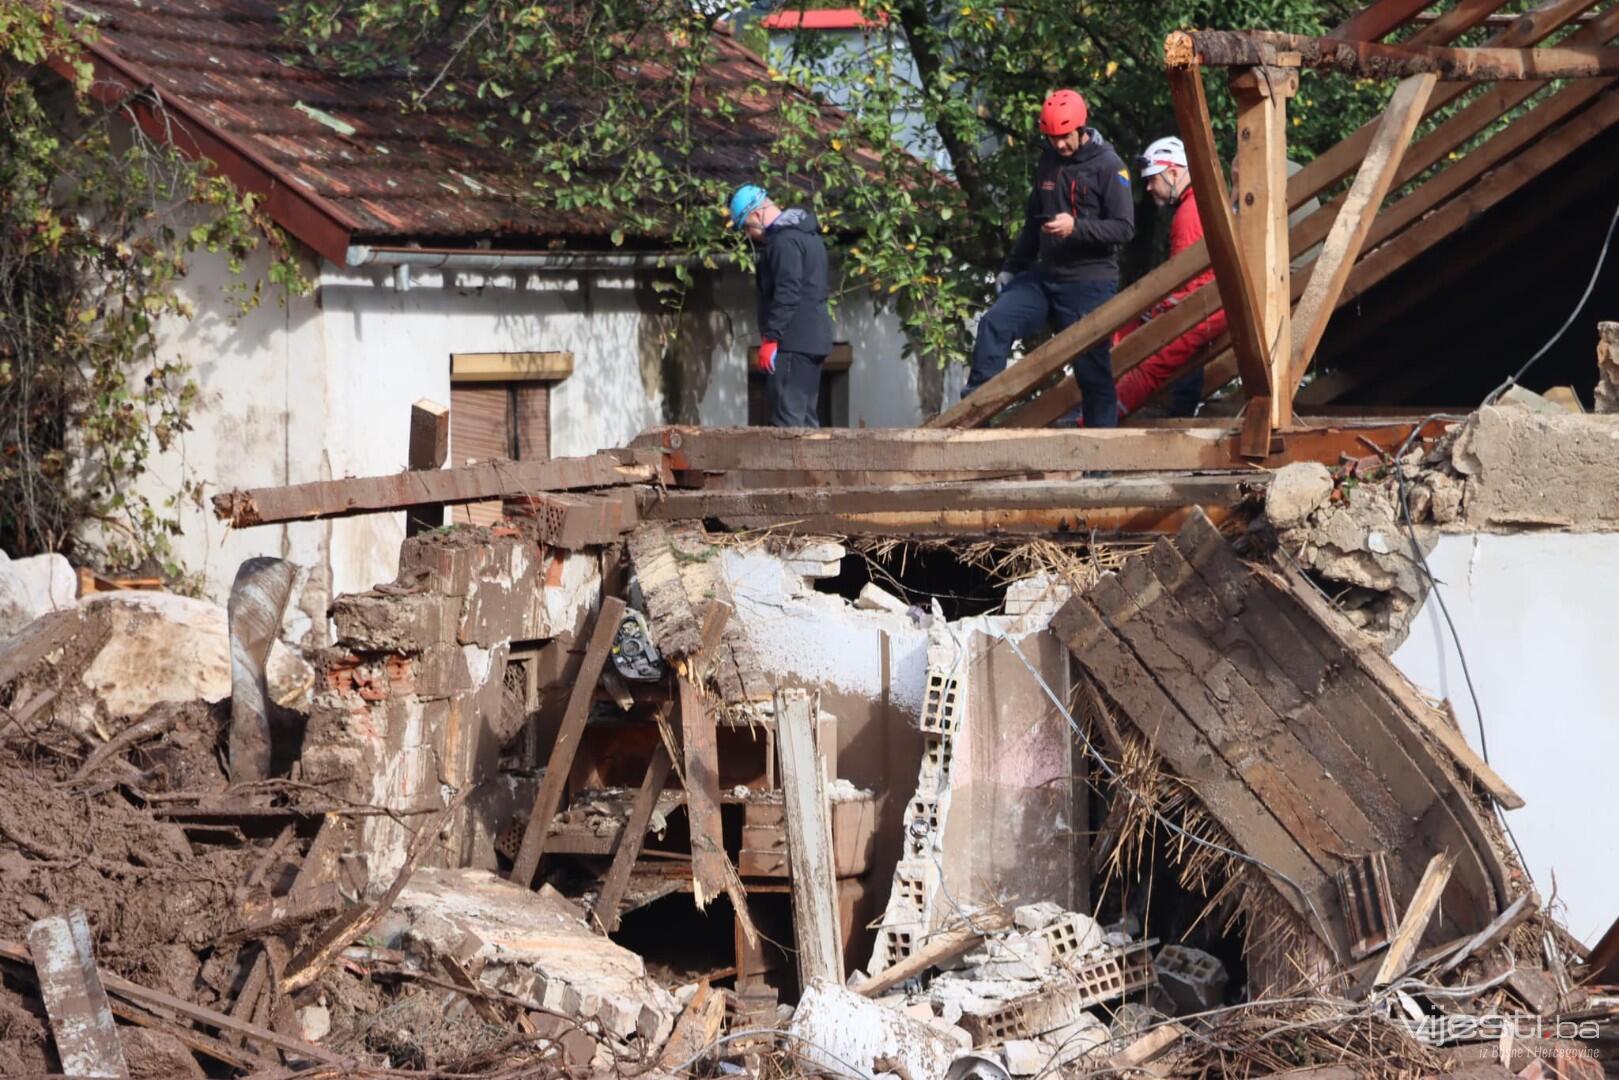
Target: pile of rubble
[{"x": 694, "y": 804}]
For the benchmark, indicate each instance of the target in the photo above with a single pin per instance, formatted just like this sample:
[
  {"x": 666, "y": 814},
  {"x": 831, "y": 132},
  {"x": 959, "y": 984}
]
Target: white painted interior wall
[{"x": 1536, "y": 616}]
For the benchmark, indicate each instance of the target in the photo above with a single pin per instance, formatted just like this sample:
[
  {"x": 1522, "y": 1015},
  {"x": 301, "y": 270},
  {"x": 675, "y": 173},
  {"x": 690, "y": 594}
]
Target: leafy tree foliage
[{"x": 96, "y": 223}]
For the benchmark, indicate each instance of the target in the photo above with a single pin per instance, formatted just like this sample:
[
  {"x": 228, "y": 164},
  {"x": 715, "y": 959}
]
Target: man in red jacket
[{"x": 1163, "y": 168}]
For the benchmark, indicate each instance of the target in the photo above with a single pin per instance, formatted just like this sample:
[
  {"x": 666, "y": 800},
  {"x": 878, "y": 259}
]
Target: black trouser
[{"x": 795, "y": 390}]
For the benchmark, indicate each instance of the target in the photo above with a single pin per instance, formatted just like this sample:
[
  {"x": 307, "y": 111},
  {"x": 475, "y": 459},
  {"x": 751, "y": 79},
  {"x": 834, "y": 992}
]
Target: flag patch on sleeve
[{"x": 1124, "y": 177}]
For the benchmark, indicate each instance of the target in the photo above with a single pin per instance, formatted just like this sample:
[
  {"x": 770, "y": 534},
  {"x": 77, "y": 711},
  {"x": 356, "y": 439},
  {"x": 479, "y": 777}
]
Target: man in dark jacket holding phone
[
  {"x": 795, "y": 328},
  {"x": 1065, "y": 263}
]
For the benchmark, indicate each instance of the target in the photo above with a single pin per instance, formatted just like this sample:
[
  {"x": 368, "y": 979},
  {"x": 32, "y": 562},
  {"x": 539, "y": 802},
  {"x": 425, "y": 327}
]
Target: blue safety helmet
[{"x": 747, "y": 199}]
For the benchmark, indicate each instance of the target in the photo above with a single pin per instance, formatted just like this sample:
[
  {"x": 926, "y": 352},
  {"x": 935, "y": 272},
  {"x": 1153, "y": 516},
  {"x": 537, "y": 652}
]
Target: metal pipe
[{"x": 446, "y": 259}]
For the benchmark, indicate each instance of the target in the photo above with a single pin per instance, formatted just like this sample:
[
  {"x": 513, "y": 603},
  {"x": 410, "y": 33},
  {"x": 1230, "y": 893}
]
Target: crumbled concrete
[
  {"x": 1521, "y": 397},
  {"x": 1037, "y": 916},
  {"x": 314, "y": 1023},
  {"x": 1528, "y": 469},
  {"x": 1296, "y": 491},
  {"x": 532, "y": 945},
  {"x": 1026, "y": 1057},
  {"x": 1359, "y": 546},
  {"x": 31, "y": 587},
  {"x": 874, "y": 597},
  {"x": 1607, "y": 389},
  {"x": 841, "y": 1030},
  {"x": 1015, "y": 956}
]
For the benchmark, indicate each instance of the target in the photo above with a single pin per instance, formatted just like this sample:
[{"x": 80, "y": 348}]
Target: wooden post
[
  {"x": 567, "y": 744},
  {"x": 1417, "y": 914},
  {"x": 1260, "y": 178},
  {"x": 809, "y": 841},
  {"x": 429, "y": 449},
  {"x": 1244, "y": 318}
]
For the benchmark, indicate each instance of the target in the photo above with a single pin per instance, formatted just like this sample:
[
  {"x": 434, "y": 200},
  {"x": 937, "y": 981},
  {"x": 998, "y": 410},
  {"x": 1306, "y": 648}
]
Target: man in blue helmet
[{"x": 795, "y": 329}]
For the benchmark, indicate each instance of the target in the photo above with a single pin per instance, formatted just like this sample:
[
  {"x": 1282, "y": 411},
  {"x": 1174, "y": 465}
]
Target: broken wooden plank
[
  {"x": 1516, "y": 913},
  {"x": 376, "y": 494},
  {"x": 809, "y": 841},
  {"x": 698, "y": 1026},
  {"x": 701, "y": 777},
  {"x": 264, "y": 917},
  {"x": 549, "y": 798},
  {"x": 1147, "y": 1047},
  {"x": 1415, "y": 920},
  {"x": 630, "y": 839},
  {"x": 429, "y": 449},
  {"x": 1354, "y": 223},
  {"x": 81, "y": 1020},
  {"x": 930, "y": 449},
  {"x": 1156, "y": 491},
  {"x": 941, "y": 948}
]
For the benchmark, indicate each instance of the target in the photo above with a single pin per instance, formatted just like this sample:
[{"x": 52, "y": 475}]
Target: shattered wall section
[{"x": 409, "y": 705}]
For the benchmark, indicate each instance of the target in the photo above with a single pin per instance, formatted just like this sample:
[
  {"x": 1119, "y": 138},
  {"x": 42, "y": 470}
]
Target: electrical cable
[{"x": 1602, "y": 257}]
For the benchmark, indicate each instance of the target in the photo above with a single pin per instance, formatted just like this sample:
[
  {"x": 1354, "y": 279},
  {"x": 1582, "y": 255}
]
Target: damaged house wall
[{"x": 1535, "y": 613}]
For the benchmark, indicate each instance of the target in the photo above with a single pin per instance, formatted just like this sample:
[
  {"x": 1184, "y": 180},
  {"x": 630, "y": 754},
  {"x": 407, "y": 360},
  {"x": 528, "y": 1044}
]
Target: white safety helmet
[{"x": 1161, "y": 155}]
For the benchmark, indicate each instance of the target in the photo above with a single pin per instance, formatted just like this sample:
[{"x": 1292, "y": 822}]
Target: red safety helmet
[{"x": 1064, "y": 111}]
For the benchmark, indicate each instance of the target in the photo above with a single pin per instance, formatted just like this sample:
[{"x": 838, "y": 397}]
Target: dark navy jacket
[
  {"x": 793, "y": 285},
  {"x": 1094, "y": 186}
]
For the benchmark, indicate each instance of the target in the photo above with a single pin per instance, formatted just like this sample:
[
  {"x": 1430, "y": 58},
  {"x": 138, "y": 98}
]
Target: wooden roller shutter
[
  {"x": 480, "y": 430},
  {"x": 497, "y": 421}
]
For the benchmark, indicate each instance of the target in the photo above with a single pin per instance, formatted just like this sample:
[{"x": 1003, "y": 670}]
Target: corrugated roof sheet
[{"x": 347, "y": 147}]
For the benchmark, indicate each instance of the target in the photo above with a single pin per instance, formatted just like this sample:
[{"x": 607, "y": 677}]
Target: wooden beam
[
  {"x": 809, "y": 841},
  {"x": 82, "y": 1024},
  {"x": 1184, "y": 50},
  {"x": 630, "y": 839},
  {"x": 1385, "y": 258},
  {"x": 401, "y": 491},
  {"x": 510, "y": 366},
  {"x": 941, "y": 948},
  {"x": 549, "y": 798},
  {"x": 574, "y": 522},
  {"x": 429, "y": 449},
  {"x": 1244, "y": 305},
  {"x": 1259, "y": 173},
  {"x": 1092, "y": 493},
  {"x": 1415, "y": 921},
  {"x": 924, "y": 450},
  {"x": 1332, "y": 266}
]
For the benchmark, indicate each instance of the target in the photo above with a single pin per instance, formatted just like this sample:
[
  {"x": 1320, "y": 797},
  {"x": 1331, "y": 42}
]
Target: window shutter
[{"x": 480, "y": 430}]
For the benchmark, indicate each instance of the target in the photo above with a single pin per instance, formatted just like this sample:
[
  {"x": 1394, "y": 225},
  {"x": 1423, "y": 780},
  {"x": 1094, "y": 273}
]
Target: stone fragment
[
  {"x": 842, "y": 1030},
  {"x": 1036, "y": 916},
  {"x": 1026, "y": 1057},
  {"x": 1296, "y": 491},
  {"x": 314, "y": 1023}
]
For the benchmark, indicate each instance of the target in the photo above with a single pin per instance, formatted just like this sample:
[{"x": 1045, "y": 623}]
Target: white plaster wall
[
  {"x": 259, "y": 420},
  {"x": 1536, "y": 615},
  {"x": 390, "y": 346},
  {"x": 883, "y": 389}
]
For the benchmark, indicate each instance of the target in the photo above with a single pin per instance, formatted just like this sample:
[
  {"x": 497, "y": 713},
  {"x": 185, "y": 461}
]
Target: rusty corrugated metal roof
[{"x": 344, "y": 148}]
